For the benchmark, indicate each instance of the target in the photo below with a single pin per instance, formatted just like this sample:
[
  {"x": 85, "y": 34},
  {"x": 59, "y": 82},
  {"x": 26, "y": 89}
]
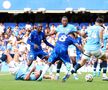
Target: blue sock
[
  {"x": 74, "y": 64},
  {"x": 95, "y": 65},
  {"x": 104, "y": 66},
  {"x": 76, "y": 67}
]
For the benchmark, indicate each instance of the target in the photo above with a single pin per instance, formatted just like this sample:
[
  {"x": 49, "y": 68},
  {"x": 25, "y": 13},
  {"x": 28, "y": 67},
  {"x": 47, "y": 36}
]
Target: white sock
[
  {"x": 44, "y": 70},
  {"x": 104, "y": 75},
  {"x": 57, "y": 74},
  {"x": 50, "y": 70}
]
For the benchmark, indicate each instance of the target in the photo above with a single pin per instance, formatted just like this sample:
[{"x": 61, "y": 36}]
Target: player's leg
[
  {"x": 101, "y": 55},
  {"x": 100, "y": 64},
  {"x": 78, "y": 58},
  {"x": 104, "y": 66},
  {"x": 50, "y": 61},
  {"x": 16, "y": 56},
  {"x": 83, "y": 60},
  {"x": 72, "y": 54},
  {"x": 94, "y": 67},
  {"x": 59, "y": 64},
  {"x": 9, "y": 58},
  {"x": 13, "y": 66},
  {"x": 66, "y": 60},
  {"x": 44, "y": 56},
  {"x": 31, "y": 57},
  {"x": 29, "y": 75}
]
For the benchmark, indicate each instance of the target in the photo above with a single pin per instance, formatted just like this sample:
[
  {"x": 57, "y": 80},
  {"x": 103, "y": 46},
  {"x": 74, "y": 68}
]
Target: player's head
[
  {"x": 99, "y": 21},
  {"x": 64, "y": 21},
  {"x": 72, "y": 34},
  {"x": 39, "y": 27}
]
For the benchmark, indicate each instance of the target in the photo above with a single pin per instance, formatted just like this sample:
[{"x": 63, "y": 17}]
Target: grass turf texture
[{"x": 7, "y": 82}]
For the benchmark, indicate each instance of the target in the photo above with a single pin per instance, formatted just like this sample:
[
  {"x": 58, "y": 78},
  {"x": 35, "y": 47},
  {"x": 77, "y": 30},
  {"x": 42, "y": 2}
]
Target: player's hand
[{"x": 35, "y": 46}]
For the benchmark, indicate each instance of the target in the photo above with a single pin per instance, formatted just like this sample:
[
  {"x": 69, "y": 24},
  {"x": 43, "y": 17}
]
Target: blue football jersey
[
  {"x": 36, "y": 38},
  {"x": 93, "y": 39},
  {"x": 60, "y": 51},
  {"x": 64, "y": 41},
  {"x": 65, "y": 30}
]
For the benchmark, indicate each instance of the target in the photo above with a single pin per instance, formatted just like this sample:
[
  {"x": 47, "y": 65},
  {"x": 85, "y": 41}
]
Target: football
[{"x": 89, "y": 77}]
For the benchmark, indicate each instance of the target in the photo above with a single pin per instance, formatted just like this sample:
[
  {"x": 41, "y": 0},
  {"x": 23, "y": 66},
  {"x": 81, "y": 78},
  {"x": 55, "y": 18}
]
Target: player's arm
[
  {"x": 83, "y": 34},
  {"x": 27, "y": 77},
  {"x": 74, "y": 42},
  {"x": 29, "y": 39},
  {"x": 101, "y": 37},
  {"x": 47, "y": 43},
  {"x": 31, "y": 43},
  {"x": 76, "y": 30},
  {"x": 54, "y": 31},
  {"x": 79, "y": 47},
  {"x": 51, "y": 33}
]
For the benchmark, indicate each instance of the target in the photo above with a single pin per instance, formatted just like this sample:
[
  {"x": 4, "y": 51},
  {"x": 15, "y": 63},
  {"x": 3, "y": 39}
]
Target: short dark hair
[
  {"x": 100, "y": 20},
  {"x": 73, "y": 33},
  {"x": 64, "y": 17}
]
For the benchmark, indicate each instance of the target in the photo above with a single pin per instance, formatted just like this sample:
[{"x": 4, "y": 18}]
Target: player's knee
[
  {"x": 104, "y": 58},
  {"x": 82, "y": 62},
  {"x": 31, "y": 57},
  {"x": 29, "y": 63}
]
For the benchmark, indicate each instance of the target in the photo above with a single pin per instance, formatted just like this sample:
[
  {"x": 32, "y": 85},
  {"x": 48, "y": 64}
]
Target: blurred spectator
[
  {"x": 25, "y": 37},
  {"x": 6, "y": 37},
  {"x": 52, "y": 28},
  {"x": 9, "y": 31},
  {"x": 2, "y": 28},
  {"x": 13, "y": 39},
  {"x": 22, "y": 47},
  {"x": 2, "y": 46},
  {"x": 83, "y": 28},
  {"x": 16, "y": 30},
  {"x": 1, "y": 37},
  {"x": 47, "y": 30},
  {"x": 34, "y": 27},
  {"x": 9, "y": 46},
  {"x": 28, "y": 26}
]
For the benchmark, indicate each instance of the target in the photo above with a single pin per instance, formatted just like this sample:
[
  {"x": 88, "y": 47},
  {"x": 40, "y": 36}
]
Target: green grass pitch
[{"x": 7, "y": 82}]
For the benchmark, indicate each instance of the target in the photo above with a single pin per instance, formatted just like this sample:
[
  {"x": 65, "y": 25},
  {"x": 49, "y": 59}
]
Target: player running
[
  {"x": 102, "y": 64},
  {"x": 35, "y": 40},
  {"x": 64, "y": 28},
  {"x": 93, "y": 45}
]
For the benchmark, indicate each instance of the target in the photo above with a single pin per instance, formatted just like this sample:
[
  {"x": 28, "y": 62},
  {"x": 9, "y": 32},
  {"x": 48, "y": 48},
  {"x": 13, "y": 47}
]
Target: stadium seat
[
  {"x": 83, "y": 24},
  {"x": 12, "y": 25}
]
